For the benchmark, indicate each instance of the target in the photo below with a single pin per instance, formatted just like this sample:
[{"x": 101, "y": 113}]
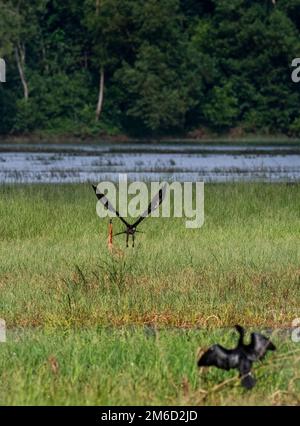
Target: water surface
[{"x": 62, "y": 163}]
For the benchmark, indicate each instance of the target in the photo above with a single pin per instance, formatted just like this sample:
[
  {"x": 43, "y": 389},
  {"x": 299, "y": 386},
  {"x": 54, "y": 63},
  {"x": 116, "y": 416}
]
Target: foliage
[{"x": 169, "y": 65}]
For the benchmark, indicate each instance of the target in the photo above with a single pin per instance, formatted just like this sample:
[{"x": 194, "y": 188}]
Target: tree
[
  {"x": 153, "y": 80},
  {"x": 149, "y": 67},
  {"x": 253, "y": 44}
]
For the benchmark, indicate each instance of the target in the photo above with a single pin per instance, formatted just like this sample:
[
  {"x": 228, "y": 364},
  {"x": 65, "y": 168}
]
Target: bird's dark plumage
[
  {"x": 131, "y": 228},
  {"x": 240, "y": 358}
]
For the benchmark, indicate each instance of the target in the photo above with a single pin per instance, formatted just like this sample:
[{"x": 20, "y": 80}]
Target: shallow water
[{"x": 25, "y": 163}]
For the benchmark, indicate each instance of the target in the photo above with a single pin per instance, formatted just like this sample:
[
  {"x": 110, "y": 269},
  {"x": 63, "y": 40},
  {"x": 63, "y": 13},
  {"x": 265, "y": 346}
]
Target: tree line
[{"x": 149, "y": 67}]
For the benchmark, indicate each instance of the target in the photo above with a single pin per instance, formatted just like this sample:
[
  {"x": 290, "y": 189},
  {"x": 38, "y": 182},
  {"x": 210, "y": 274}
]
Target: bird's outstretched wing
[
  {"x": 259, "y": 345},
  {"x": 154, "y": 204},
  {"x": 219, "y": 357},
  {"x": 106, "y": 203},
  {"x": 247, "y": 378}
]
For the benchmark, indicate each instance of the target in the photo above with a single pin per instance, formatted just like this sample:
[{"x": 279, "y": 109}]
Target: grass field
[
  {"x": 130, "y": 366},
  {"x": 65, "y": 297}
]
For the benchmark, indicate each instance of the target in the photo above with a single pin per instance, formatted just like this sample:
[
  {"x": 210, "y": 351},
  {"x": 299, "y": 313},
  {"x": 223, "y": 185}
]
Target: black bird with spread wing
[
  {"x": 240, "y": 358},
  {"x": 131, "y": 228}
]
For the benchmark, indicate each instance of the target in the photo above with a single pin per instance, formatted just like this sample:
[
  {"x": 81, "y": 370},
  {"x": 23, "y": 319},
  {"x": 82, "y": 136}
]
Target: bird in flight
[
  {"x": 240, "y": 358},
  {"x": 131, "y": 228}
]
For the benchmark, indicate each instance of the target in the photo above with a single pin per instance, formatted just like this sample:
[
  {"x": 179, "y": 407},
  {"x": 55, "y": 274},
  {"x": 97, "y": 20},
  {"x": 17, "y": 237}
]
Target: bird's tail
[{"x": 248, "y": 381}]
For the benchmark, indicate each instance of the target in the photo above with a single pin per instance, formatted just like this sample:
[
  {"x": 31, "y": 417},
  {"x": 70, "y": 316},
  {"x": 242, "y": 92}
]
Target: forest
[{"x": 149, "y": 67}]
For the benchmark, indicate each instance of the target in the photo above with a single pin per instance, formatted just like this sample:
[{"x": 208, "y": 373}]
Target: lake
[{"x": 64, "y": 163}]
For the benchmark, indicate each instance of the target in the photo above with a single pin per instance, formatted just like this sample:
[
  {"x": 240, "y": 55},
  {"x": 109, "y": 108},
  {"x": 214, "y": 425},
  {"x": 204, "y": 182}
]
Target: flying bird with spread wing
[
  {"x": 240, "y": 358},
  {"x": 131, "y": 228}
]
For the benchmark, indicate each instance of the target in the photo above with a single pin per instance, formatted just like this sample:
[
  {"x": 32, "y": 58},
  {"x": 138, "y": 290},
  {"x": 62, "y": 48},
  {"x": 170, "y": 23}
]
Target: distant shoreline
[{"x": 100, "y": 139}]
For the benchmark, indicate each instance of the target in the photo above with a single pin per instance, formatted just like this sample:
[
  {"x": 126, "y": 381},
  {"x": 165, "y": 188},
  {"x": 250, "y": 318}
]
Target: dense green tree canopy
[{"x": 149, "y": 67}]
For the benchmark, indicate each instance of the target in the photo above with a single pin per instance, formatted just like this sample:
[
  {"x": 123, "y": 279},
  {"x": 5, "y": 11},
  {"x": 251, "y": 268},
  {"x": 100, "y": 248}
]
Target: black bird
[
  {"x": 241, "y": 358},
  {"x": 131, "y": 228}
]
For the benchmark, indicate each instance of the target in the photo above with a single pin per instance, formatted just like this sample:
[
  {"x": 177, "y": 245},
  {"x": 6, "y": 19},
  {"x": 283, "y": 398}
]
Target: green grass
[
  {"x": 127, "y": 366},
  {"x": 60, "y": 285},
  {"x": 241, "y": 266}
]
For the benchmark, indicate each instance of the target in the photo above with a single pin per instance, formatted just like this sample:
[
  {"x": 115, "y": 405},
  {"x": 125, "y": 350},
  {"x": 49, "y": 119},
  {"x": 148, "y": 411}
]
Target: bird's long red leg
[{"x": 110, "y": 236}]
